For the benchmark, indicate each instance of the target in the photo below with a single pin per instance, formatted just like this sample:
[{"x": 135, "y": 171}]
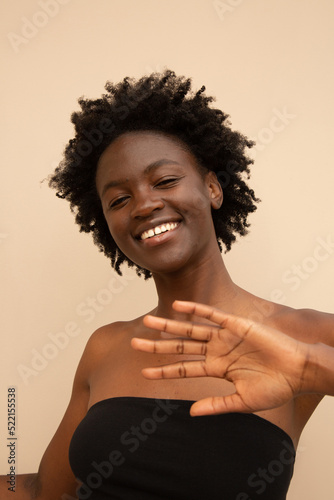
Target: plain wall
[{"x": 269, "y": 64}]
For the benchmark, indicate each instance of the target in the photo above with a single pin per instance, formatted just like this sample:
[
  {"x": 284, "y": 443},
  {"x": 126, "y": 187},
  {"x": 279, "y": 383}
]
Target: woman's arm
[
  {"x": 267, "y": 367},
  {"x": 25, "y": 487},
  {"x": 55, "y": 479},
  {"x": 319, "y": 377}
]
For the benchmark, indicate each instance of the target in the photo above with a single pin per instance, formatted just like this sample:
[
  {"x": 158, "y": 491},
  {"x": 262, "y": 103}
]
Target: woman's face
[{"x": 156, "y": 202}]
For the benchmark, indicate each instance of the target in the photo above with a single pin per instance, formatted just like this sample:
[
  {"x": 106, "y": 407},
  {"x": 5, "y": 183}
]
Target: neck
[{"x": 208, "y": 283}]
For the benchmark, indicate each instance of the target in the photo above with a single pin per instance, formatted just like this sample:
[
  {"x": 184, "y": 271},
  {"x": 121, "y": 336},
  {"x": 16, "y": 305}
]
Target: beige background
[{"x": 260, "y": 58}]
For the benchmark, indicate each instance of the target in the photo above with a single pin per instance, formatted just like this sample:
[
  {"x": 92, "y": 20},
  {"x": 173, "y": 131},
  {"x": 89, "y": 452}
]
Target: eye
[
  {"x": 117, "y": 202},
  {"x": 169, "y": 181}
]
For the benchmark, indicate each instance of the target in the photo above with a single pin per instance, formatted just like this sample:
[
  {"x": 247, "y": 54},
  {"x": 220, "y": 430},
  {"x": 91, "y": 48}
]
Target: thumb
[{"x": 217, "y": 405}]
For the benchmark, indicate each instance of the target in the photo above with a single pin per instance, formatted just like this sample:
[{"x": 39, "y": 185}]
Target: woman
[{"x": 157, "y": 176}]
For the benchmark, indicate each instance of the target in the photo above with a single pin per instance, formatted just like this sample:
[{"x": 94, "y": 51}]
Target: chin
[{"x": 168, "y": 267}]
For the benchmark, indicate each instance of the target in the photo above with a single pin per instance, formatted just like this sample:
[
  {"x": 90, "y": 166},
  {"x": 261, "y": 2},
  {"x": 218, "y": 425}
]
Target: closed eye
[
  {"x": 167, "y": 182},
  {"x": 117, "y": 202}
]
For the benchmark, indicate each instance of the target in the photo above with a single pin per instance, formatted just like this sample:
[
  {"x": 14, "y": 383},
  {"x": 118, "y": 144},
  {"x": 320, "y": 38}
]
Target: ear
[{"x": 215, "y": 190}]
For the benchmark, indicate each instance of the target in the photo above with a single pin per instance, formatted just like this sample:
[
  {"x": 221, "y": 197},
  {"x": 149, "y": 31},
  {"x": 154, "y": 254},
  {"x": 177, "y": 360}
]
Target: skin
[
  {"x": 188, "y": 266},
  {"x": 144, "y": 179},
  {"x": 267, "y": 367}
]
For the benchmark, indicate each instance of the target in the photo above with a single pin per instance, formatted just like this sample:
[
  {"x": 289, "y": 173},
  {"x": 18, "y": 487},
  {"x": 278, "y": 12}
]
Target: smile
[{"x": 163, "y": 228}]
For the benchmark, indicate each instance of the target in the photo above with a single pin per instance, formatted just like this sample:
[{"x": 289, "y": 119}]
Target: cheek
[
  {"x": 199, "y": 204},
  {"x": 201, "y": 201},
  {"x": 116, "y": 229}
]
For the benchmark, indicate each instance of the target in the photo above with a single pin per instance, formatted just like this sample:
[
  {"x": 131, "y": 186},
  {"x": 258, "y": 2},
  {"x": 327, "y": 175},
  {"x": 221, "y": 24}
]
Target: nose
[{"x": 146, "y": 202}]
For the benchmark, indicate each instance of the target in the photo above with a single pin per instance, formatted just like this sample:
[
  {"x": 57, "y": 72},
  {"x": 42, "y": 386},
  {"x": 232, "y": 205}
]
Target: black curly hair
[{"x": 165, "y": 103}]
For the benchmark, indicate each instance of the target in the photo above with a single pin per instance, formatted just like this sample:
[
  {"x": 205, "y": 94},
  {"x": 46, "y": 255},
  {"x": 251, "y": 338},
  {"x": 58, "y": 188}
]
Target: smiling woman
[
  {"x": 156, "y": 200},
  {"x": 164, "y": 104},
  {"x": 163, "y": 189}
]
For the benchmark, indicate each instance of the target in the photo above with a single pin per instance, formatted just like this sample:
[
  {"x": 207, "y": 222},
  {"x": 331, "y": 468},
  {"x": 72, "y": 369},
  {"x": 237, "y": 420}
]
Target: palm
[
  {"x": 264, "y": 364},
  {"x": 242, "y": 363}
]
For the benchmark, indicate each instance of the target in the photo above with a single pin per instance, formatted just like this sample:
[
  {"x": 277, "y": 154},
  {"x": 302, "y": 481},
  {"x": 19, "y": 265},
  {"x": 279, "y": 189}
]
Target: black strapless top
[{"x": 129, "y": 448}]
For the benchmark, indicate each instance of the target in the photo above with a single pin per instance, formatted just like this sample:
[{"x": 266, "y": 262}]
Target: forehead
[{"x": 140, "y": 149}]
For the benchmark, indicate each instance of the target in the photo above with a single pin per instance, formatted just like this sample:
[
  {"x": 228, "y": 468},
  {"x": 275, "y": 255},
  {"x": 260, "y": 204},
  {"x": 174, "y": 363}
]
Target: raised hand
[{"x": 265, "y": 365}]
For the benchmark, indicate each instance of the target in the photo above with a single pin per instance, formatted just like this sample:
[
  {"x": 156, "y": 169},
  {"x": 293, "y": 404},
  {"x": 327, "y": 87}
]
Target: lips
[
  {"x": 163, "y": 228},
  {"x": 156, "y": 229}
]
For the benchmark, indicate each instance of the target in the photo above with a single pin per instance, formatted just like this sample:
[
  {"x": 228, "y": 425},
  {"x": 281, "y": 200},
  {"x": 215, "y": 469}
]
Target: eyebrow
[{"x": 151, "y": 167}]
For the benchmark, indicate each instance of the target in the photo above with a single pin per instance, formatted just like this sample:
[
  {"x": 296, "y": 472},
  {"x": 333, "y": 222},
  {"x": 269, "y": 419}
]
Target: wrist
[{"x": 318, "y": 372}]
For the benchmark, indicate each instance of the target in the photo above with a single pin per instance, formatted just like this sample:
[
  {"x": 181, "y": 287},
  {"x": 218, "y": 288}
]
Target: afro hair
[{"x": 165, "y": 103}]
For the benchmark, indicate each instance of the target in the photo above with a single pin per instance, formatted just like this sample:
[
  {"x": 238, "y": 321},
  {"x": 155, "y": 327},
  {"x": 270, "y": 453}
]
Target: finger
[
  {"x": 217, "y": 405},
  {"x": 235, "y": 324},
  {"x": 183, "y": 328},
  {"x": 173, "y": 346},
  {"x": 182, "y": 369}
]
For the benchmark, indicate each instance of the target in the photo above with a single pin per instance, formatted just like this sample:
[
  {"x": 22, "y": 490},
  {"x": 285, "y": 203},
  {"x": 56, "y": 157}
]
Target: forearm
[
  {"x": 24, "y": 487},
  {"x": 318, "y": 375}
]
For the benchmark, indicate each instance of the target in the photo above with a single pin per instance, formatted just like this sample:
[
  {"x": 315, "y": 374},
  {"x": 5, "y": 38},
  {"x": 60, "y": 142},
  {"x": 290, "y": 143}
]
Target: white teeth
[{"x": 158, "y": 230}]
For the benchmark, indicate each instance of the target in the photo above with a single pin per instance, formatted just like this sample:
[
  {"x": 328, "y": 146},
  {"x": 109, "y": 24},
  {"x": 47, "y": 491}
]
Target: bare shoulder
[
  {"x": 310, "y": 326},
  {"x": 307, "y": 325},
  {"x": 109, "y": 338}
]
